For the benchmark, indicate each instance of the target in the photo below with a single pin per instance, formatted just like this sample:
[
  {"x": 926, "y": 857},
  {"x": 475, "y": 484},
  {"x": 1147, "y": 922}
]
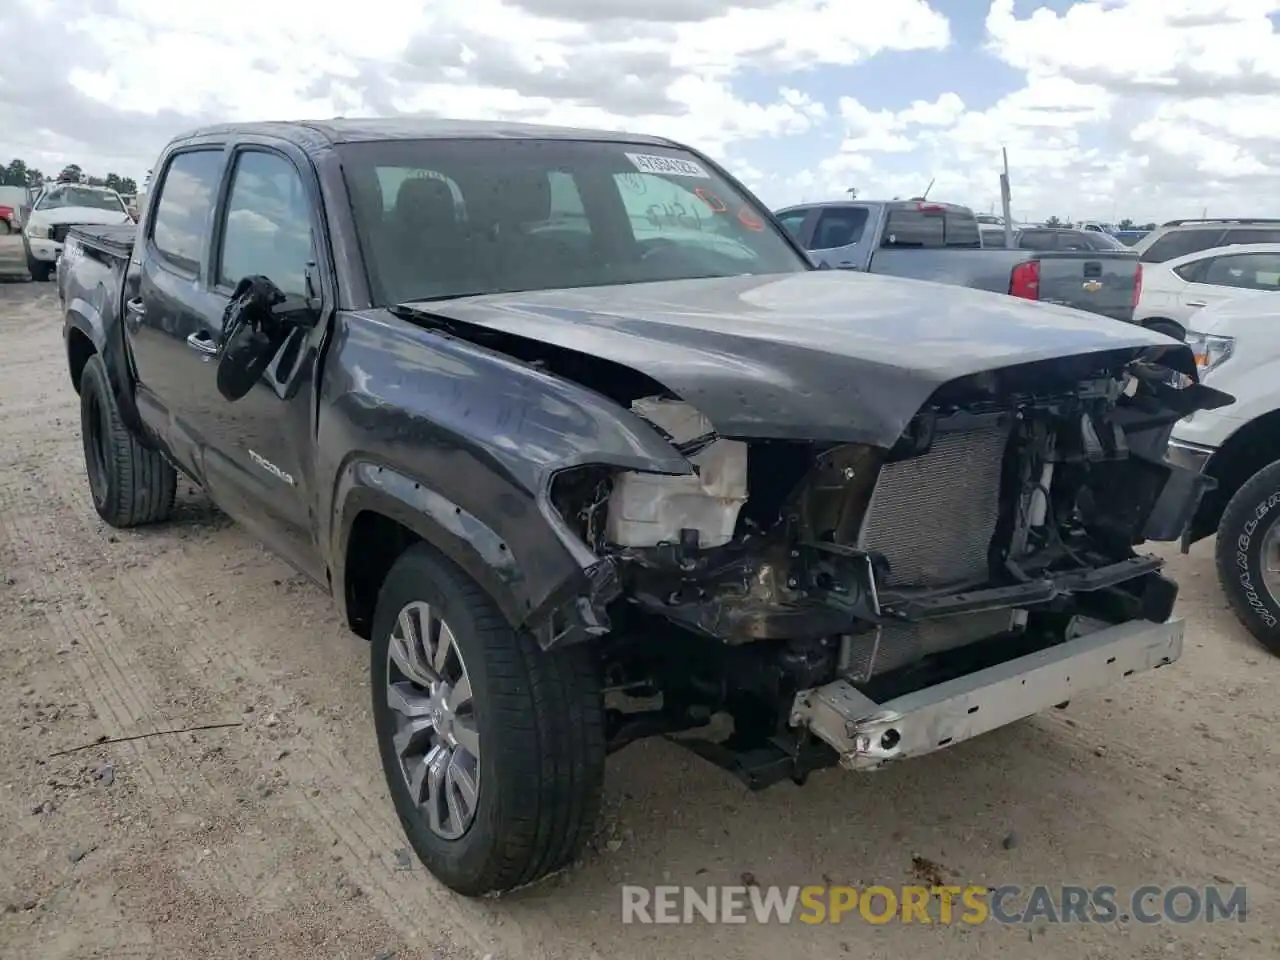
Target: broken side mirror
[{"x": 256, "y": 322}]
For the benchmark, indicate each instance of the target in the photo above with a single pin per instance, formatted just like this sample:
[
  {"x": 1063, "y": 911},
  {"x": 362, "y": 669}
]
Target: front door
[{"x": 257, "y": 449}]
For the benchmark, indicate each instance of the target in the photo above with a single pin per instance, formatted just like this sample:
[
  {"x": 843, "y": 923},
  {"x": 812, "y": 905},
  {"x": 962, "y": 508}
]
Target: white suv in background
[
  {"x": 1177, "y": 238},
  {"x": 1237, "y": 346},
  {"x": 1174, "y": 291}
]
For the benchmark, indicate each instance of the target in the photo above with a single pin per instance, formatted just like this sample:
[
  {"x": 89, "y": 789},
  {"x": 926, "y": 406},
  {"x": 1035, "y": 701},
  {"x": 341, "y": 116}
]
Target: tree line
[
  {"x": 17, "y": 173},
  {"x": 1125, "y": 224}
]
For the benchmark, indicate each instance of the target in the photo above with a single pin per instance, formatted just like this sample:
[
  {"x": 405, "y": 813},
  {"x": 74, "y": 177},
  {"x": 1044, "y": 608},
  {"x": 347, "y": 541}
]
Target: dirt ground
[{"x": 275, "y": 838}]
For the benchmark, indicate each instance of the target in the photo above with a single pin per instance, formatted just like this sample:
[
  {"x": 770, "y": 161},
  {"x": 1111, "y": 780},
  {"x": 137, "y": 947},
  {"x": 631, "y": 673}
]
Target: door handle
[
  {"x": 201, "y": 342},
  {"x": 1196, "y": 303}
]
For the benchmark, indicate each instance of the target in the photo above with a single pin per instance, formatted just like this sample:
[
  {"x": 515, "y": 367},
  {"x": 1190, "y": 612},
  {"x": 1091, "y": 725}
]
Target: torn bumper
[{"x": 867, "y": 734}]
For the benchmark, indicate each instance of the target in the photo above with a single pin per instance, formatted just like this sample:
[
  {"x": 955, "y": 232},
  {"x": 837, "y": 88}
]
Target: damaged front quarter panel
[
  {"x": 430, "y": 443},
  {"x": 770, "y": 540}
]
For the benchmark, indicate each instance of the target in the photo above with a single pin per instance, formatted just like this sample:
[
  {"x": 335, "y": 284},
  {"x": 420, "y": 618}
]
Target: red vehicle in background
[{"x": 8, "y": 220}]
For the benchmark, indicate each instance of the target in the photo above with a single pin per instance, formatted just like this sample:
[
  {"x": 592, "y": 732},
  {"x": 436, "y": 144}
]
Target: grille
[{"x": 933, "y": 516}]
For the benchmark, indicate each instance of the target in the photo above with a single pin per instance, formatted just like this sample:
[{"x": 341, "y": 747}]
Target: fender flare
[{"x": 368, "y": 486}]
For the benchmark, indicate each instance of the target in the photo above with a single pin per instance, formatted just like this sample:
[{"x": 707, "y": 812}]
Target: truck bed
[
  {"x": 1099, "y": 281},
  {"x": 941, "y": 242},
  {"x": 114, "y": 239}
]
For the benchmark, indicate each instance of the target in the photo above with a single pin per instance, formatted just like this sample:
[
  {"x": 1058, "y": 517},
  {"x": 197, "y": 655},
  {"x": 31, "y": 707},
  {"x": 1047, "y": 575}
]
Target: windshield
[
  {"x": 81, "y": 197},
  {"x": 447, "y": 218}
]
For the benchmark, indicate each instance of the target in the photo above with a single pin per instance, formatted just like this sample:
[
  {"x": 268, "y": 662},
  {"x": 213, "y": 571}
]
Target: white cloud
[
  {"x": 1145, "y": 108},
  {"x": 1150, "y": 108},
  {"x": 606, "y": 63}
]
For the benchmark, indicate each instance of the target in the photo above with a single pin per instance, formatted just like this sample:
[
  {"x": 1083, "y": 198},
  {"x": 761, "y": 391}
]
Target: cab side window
[
  {"x": 181, "y": 220},
  {"x": 1179, "y": 243},
  {"x": 267, "y": 230},
  {"x": 1250, "y": 271},
  {"x": 839, "y": 227},
  {"x": 793, "y": 222}
]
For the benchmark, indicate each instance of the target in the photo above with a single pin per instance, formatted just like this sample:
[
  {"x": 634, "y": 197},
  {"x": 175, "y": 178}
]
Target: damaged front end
[{"x": 815, "y": 593}]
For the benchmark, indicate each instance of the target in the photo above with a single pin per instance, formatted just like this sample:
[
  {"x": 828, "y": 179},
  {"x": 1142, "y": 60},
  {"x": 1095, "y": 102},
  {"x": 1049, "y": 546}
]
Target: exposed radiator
[
  {"x": 932, "y": 518},
  {"x": 60, "y": 232}
]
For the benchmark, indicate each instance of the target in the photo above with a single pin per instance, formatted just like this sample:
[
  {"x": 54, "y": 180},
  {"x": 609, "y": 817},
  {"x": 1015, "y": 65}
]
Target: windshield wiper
[{"x": 440, "y": 298}]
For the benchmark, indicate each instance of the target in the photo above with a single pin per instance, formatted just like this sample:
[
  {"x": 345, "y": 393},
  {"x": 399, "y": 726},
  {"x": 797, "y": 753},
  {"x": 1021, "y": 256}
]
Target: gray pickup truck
[
  {"x": 925, "y": 240},
  {"x": 582, "y": 480}
]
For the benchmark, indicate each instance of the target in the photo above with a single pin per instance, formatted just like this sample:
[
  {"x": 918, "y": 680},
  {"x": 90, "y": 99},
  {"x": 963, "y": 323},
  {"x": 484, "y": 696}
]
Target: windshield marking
[{"x": 670, "y": 166}]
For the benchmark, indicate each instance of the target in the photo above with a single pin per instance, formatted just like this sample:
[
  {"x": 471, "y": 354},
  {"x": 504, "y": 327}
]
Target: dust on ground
[{"x": 276, "y": 839}]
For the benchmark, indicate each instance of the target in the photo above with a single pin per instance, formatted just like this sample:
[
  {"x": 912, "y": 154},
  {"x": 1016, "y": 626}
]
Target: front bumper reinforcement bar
[{"x": 868, "y": 735}]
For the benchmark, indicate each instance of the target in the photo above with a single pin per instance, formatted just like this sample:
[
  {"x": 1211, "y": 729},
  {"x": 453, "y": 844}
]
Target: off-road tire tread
[
  {"x": 553, "y": 787},
  {"x": 1263, "y": 483},
  {"x": 144, "y": 484}
]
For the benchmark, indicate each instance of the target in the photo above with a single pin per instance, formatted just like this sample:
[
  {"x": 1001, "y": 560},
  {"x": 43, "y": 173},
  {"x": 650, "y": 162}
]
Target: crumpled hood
[
  {"x": 819, "y": 355},
  {"x": 94, "y": 215}
]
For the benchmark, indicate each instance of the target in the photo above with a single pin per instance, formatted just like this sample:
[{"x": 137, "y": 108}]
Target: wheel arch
[
  {"x": 377, "y": 526},
  {"x": 80, "y": 347},
  {"x": 1248, "y": 450}
]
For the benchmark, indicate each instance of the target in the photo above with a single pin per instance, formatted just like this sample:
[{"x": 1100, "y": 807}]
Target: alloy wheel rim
[
  {"x": 1269, "y": 561},
  {"x": 436, "y": 741}
]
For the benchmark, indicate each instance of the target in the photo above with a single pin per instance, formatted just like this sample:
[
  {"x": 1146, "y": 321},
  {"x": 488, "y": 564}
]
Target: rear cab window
[
  {"x": 930, "y": 226},
  {"x": 1038, "y": 240}
]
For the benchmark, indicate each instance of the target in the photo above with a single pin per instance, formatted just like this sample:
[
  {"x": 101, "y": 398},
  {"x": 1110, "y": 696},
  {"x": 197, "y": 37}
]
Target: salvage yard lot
[{"x": 275, "y": 838}]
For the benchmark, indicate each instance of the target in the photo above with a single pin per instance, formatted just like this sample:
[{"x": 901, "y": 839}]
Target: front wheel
[
  {"x": 1248, "y": 555},
  {"x": 493, "y": 750}
]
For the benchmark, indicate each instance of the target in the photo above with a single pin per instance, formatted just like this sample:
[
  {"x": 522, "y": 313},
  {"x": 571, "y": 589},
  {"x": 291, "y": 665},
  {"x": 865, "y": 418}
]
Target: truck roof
[{"x": 313, "y": 133}]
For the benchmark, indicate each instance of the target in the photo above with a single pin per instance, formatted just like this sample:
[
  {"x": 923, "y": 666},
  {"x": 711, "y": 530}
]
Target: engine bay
[{"x": 1007, "y": 513}]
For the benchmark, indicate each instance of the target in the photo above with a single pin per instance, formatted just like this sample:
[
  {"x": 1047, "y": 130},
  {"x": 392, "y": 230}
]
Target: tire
[
  {"x": 39, "y": 270},
  {"x": 131, "y": 484},
  {"x": 1250, "y": 520},
  {"x": 6, "y": 228},
  {"x": 540, "y": 723}
]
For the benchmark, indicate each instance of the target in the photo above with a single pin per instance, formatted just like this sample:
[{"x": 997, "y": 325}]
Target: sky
[{"x": 1109, "y": 109}]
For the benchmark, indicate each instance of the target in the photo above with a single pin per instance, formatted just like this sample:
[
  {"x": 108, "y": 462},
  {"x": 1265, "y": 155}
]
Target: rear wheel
[
  {"x": 493, "y": 750},
  {"x": 5, "y": 228},
  {"x": 131, "y": 484},
  {"x": 1248, "y": 555}
]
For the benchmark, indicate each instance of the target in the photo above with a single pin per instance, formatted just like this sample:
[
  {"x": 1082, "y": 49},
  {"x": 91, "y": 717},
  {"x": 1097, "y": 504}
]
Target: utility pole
[
  {"x": 1005, "y": 202},
  {"x": 852, "y": 192}
]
